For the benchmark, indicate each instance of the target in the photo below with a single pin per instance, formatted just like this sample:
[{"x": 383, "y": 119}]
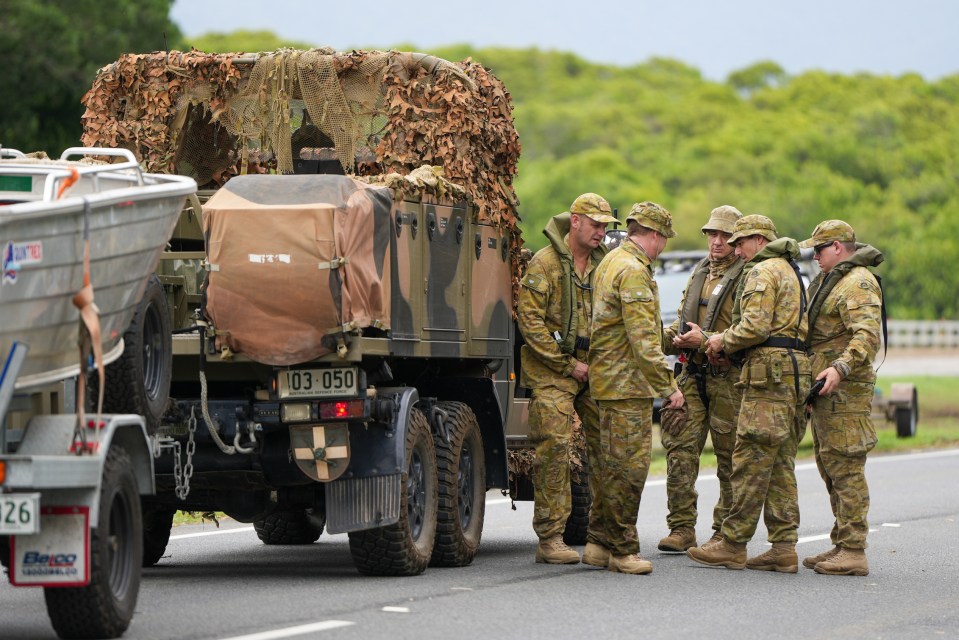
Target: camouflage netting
[{"x": 376, "y": 112}]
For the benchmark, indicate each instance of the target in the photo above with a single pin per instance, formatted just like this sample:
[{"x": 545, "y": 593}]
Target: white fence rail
[{"x": 924, "y": 333}]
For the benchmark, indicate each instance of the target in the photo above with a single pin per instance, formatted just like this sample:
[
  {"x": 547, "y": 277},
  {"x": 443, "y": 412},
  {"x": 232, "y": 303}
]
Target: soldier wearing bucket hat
[
  {"x": 553, "y": 313},
  {"x": 769, "y": 327},
  {"x": 712, "y": 400},
  {"x": 845, "y": 316},
  {"x": 627, "y": 369}
]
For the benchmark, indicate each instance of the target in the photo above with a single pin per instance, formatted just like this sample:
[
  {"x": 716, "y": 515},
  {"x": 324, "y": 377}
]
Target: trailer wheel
[
  {"x": 290, "y": 527},
  {"x": 578, "y": 521},
  {"x": 462, "y": 488},
  {"x": 404, "y": 548},
  {"x": 139, "y": 380},
  {"x": 906, "y": 421},
  {"x": 157, "y": 523},
  {"x": 104, "y": 608}
]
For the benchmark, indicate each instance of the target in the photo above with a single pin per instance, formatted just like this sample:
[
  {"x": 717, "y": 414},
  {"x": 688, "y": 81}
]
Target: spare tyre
[{"x": 139, "y": 380}]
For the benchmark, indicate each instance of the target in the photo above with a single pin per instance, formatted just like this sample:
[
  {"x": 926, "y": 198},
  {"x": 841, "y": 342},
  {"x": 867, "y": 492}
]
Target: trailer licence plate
[
  {"x": 19, "y": 513},
  {"x": 310, "y": 383}
]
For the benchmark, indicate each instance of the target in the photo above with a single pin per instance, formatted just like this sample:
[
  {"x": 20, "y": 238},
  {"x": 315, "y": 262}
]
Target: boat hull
[{"x": 42, "y": 246}]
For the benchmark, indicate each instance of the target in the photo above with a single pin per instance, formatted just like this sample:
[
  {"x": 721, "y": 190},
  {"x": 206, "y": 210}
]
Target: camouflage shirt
[
  {"x": 625, "y": 354},
  {"x": 845, "y": 333},
  {"x": 540, "y": 318},
  {"x": 769, "y": 301}
]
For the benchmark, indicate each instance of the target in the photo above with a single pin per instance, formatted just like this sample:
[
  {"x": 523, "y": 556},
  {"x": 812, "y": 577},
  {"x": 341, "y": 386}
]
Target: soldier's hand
[
  {"x": 675, "y": 401},
  {"x": 692, "y": 339},
  {"x": 832, "y": 380},
  {"x": 580, "y": 371},
  {"x": 714, "y": 345}
]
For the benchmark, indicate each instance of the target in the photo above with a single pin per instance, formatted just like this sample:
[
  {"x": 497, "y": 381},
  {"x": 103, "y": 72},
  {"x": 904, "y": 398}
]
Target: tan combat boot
[
  {"x": 678, "y": 540},
  {"x": 631, "y": 563},
  {"x": 596, "y": 555},
  {"x": 812, "y": 561},
  {"x": 731, "y": 555},
  {"x": 845, "y": 562},
  {"x": 716, "y": 538},
  {"x": 782, "y": 558},
  {"x": 554, "y": 551}
]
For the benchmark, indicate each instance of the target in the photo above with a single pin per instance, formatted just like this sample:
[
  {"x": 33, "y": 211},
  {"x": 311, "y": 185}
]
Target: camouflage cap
[
  {"x": 829, "y": 231},
  {"x": 723, "y": 218},
  {"x": 753, "y": 225},
  {"x": 594, "y": 207},
  {"x": 652, "y": 216}
]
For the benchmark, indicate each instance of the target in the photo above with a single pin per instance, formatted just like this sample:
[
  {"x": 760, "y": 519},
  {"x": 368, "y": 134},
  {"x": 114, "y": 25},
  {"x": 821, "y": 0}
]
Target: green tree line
[{"x": 881, "y": 152}]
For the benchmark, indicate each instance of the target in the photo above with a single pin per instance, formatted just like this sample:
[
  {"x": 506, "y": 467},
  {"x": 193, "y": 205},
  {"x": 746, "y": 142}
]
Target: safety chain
[{"x": 181, "y": 474}]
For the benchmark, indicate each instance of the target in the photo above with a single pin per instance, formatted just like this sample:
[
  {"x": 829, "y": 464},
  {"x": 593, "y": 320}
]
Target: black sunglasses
[{"x": 818, "y": 249}]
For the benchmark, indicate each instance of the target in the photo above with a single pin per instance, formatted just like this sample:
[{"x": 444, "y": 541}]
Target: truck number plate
[
  {"x": 309, "y": 383},
  {"x": 19, "y": 513}
]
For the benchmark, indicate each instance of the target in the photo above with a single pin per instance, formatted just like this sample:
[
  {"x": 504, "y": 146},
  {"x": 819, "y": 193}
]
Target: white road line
[
  {"x": 218, "y": 532},
  {"x": 288, "y": 632}
]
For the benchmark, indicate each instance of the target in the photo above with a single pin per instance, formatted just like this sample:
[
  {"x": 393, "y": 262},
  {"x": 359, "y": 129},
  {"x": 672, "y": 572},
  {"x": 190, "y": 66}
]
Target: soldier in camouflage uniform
[
  {"x": 845, "y": 314},
  {"x": 711, "y": 397},
  {"x": 627, "y": 370},
  {"x": 769, "y": 327},
  {"x": 554, "y": 310}
]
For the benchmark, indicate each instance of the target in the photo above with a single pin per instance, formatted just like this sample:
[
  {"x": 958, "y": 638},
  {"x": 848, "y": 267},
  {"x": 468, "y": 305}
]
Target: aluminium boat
[{"x": 128, "y": 217}]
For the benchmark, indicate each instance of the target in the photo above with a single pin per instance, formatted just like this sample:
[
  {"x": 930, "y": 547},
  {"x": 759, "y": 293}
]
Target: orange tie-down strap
[{"x": 89, "y": 341}]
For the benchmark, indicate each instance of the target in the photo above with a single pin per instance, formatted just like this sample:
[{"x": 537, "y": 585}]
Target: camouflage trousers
[
  {"x": 619, "y": 469},
  {"x": 771, "y": 423},
  {"x": 551, "y": 412},
  {"x": 843, "y": 434},
  {"x": 684, "y": 449}
]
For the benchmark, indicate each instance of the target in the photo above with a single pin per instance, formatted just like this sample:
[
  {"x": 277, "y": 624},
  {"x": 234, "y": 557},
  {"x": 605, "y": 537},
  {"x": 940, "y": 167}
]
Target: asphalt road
[{"x": 225, "y": 584}]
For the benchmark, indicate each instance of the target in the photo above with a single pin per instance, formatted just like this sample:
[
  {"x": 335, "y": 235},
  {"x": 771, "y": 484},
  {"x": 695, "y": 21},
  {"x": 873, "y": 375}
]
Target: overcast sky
[{"x": 715, "y": 36}]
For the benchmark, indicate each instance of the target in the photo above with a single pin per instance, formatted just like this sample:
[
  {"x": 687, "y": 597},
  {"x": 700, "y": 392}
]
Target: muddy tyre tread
[
  {"x": 157, "y": 524},
  {"x": 578, "y": 521},
  {"x": 126, "y": 389},
  {"x": 293, "y": 527},
  {"x": 456, "y": 546},
  {"x": 392, "y": 550}
]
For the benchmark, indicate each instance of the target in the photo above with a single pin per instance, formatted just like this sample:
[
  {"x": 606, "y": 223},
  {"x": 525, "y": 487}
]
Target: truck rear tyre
[
  {"x": 462, "y": 488},
  {"x": 139, "y": 380},
  {"x": 297, "y": 526},
  {"x": 404, "y": 548},
  {"x": 578, "y": 521},
  {"x": 157, "y": 523},
  {"x": 104, "y": 608}
]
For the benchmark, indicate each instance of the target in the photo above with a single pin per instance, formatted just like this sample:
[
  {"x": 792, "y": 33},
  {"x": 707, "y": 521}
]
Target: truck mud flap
[{"x": 356, "y": 504}]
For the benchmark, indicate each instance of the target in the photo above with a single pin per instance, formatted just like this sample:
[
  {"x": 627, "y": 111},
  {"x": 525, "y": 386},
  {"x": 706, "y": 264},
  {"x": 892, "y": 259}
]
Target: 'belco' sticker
[{"x": 18, "y": 254}]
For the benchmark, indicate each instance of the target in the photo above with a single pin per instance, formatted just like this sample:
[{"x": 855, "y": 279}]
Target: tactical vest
[{"x": 716, "y": 300}]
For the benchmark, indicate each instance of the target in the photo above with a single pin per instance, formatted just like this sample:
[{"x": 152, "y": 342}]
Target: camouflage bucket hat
[
  {"x": 594, "y": 207},
  {"x": 829, "y": 231},
  {"x": 652, "y": 216},
  {"x": 753, "y": 225},
  {"x": 723, "y": 219}
]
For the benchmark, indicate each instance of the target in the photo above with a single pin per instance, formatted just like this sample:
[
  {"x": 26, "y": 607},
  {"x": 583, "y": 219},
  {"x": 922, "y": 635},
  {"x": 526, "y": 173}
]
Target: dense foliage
[
  {"x": 51, "y": 50},
  {"x": 880, "y": 152}
]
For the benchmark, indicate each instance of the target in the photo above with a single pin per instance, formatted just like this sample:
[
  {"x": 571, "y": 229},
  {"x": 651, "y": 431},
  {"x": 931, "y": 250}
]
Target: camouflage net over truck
[{"x": 372, "y": 112}]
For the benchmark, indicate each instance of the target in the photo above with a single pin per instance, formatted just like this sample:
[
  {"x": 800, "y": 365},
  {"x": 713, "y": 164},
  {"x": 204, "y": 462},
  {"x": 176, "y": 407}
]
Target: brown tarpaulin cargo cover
[{"x": 294, "y": 258}]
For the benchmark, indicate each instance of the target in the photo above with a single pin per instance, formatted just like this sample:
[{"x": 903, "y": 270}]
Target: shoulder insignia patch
[
  {"x": 863, "y": 284},
  {"x": 637, "y": 295},
  {"x": 753, "y": 274},
  {"x": 535, "y": 282}
]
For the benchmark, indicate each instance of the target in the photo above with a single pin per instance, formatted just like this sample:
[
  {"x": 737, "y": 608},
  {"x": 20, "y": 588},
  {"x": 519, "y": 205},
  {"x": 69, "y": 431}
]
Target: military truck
[{"x": 331, "y": 346}]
